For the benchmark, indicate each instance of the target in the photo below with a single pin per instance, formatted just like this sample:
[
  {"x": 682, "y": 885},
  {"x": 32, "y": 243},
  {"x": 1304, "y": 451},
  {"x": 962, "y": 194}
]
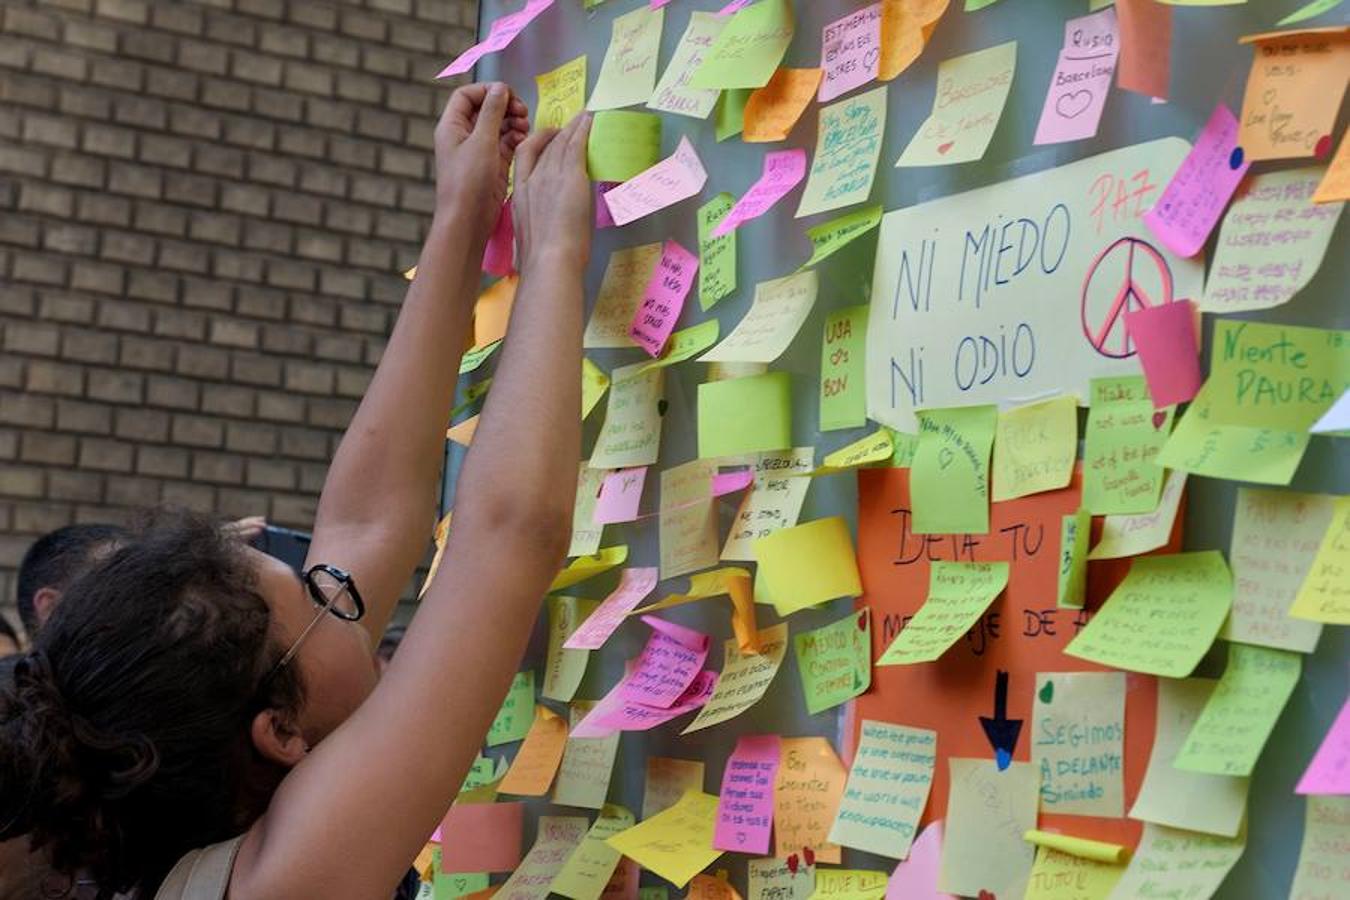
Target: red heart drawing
[
  {"x": 810, "y": 856},
  {"x": 987, "y": 895},
  {"x": 792, "y": 863},
  {"x": 943, "y": 148},
  {"x": 1158, "y": 419},
  {"x": 862, "y": 620}
]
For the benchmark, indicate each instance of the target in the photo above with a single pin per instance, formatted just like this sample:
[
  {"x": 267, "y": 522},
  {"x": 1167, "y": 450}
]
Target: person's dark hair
[
  {"x": 7, "y": 631},
  {"x": 56, "y": 559},
  {"x": 124, "y": 735},
  {"x": 393, "y": 636}
]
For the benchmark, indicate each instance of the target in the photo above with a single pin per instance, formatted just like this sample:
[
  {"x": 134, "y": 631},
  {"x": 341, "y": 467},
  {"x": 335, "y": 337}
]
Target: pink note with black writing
[
  {"x": 783, "y": 171},
  {"x": 1082, "y": 80},
  {"x": 620, "y": 494},
  {"x": 500, "y": 35},
  {"x": 745, "y": 803},
  {"x": 1165, "y": 339},
  {"x": 617, "y": 713},
  {"x": 669, "y": 663},
  {"x": 634, "y": 586},
  {"x": 663, "y": 299},
  {"x": 1195, "y": 198},
  {"x": 675, "y": 178}
]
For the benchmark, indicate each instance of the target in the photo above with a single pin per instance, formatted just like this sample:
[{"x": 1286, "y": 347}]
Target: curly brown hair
[{"x": 124, "y": 734}]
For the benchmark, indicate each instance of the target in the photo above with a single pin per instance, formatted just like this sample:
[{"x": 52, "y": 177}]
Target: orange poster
[{"x": 1022, "y": 633}]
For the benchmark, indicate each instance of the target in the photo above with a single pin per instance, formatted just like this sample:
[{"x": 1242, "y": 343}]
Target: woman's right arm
[{"x": 348, "y": 820}]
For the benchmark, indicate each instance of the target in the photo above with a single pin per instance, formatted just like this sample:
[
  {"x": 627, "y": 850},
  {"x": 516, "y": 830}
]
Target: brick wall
[{"x": 204, "y": 210}]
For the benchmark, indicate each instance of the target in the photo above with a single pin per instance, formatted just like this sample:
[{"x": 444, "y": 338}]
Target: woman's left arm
[{"x": 377, "y": 508}]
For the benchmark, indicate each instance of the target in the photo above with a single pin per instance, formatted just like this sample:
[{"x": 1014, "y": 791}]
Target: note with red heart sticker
[{"x": 972, "y": 90}]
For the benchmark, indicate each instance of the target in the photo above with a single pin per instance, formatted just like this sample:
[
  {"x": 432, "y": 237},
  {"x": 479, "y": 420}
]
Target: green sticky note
[
  {"x": 828, "y": 238},
  {"x": 474, "y": 358},
  {"x": 843, "y": 395},
  {"x": 517, "y": 711},
  {"x": 729, "y": 113},
  {"x": 835, "y": 661},
  {"x": 564, "y": 668},
  {"x": 622, "y": 144},
  {"x": 716, "y": 255},
  {"x": 1121, "y": 473},
  {"x": 1315, "y": 8},
  {"x": 1162, "y": 618},
  {"x": 685, "y": 344},
  {"x": 1275, "y": 376},
  {"x": 1074, "y": 531},
  {"x": 1241, "y": 713},
  {"x": 902, "y": 449},
  {"x": 949, "y": 478},
  {"x": 958, "y": 594},
  {"x": 973, "y": 5},
  {"x": 749, "y": 49},
  {"x": 653, "y": 893},
  {"x": 584, "y": 875},
  {"x": 1035, "y": 447},
  {"x": 480, "y": 773},
  {"x": 745, "y": 415},
  {"x": 1202, "y": 446},
  {"x": 449, "y": 887}
]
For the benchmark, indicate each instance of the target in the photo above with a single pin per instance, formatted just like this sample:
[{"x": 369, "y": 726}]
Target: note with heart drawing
[
  {"x": 1082, "y": 79},
  {"x": 971, "y": 92}
]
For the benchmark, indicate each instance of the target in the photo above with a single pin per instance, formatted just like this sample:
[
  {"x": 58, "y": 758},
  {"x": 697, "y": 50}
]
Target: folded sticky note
[{"x": 745, "y": 415}]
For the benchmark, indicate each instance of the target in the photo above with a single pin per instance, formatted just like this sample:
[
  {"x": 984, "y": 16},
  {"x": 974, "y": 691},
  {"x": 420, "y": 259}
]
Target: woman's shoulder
[{"x": 201, "y": 874}]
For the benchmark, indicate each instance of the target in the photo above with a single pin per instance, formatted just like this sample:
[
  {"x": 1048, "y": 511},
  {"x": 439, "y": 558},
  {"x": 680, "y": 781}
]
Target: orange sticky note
[
  {"x": 1336, "y": 183},
  {"x": 482, "y": 837},
  {"x": 493, "y": 311},
  {"x": 463, "y": 433},
  {"x": 773, "y": 109},
  {"x": 532, "y": 770},
  {"x": 1145, "y": 63},
  {"x": 906, "y": 26},
  {"x": 808, "y": 787},
  {"x": 709, "y": 887},
  {"x": 1293, "y": 92}
]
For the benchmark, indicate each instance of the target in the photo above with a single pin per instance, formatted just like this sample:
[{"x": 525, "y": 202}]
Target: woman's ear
[{"x": 277, "y": 738}]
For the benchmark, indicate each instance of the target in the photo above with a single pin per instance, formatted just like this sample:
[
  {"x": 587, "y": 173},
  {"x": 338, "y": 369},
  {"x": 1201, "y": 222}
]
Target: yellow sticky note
[
  {"x": 1294, "y": 89},
  {"x": 887, "y": 789},
  {"x": 1061, "y": 876},
  {"x": 1074, "y": 532},
  {"x": 584, "y": 875},
  {"x": 779, "y": 309},
  {"x": 958, "y": 594},
  {"x": 1078, "y": 742},
  {"x": 675, "y": 844},
  {"x": 808, "y": 789},
  {"x": 971, "y": 92},
  {"x": 774, "y": 879},
  {"x": 1189, "y": 864},
  {"x": 1162, "y": 618},
  {"x": 621, "y": 291},
  {"x": 1213, "y": 804},
  {"x": 1131, "y": 535},
  {"x": 773, "y": 501},
  {"x": 744, "y": 679},
  {"x": 875, "y": 447},
  {"x": 667, "y": 781},
  {"x": 492, "y": 312},
  {"x": 563, "y": 668},
  {"x": 536, "y": 763},
  {"x": 562, "y": 94},
  {"x": 830, "y": 237},
  {"x": 1325, "y": 594},
  {"x": 773, "y": 109},
  {"x": 1034, "y": 448},
  {"x": 631, "y": 434},
  {"x": 558, "y": 837},
  {"x": 808, "y": 564},
  {"x": 673, "y": 93},
  {"x": 988, "y": 812},
  {"x": 701, "y": 587},
  {"x": 586, "y": 532},
  {"x": 1082, "y": 848},
  {"x": 850, "y": 884},
  {"x": 628, "y": 71},
  {"x": 1233, "y": 727},
  {"x": 587, "y": 764},
  {"x": 585, "y": 567},
  {"x": 688, "y": 520},
  {"x": 949, "y": 482},
  {"x": 685, "y": 344},
  {"x": 594, "y": 383},
  {"x": 1323, "y": 865}
]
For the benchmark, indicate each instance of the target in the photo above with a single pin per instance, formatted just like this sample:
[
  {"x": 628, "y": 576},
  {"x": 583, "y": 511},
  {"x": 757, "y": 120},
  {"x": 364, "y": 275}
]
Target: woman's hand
[
  {"x": 552, "y": 200},
  {"x": 476, "y": 140}
]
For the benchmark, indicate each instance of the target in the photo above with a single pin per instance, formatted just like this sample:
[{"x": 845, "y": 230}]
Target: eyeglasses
[{"x": 333, "y": 592}]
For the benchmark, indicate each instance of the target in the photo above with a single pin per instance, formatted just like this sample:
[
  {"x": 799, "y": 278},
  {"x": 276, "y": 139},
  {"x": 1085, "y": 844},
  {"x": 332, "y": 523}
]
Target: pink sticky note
[
  {"x": 1078, "y": 89},
  {"x": 499, "y": 256},
  {"x": 731, "y": 482},
  {"x": 850, "y": 51},
  {"x": 916, "y": 877},
  {"x": 1329, "y": 771},
  {"x": 783, "y": 170},
  {"x": 1195, "y": 198},
  {"x": 663, "y": 299},
  {"x": 634, "y": 586},
  {"x": 745, "y": 803},
  {"x": 620, "y": 493},
  {"x": 614, "y": 712},
  {"x": 675, "y": 178},
  {"x": 500, "y": 35},
  {"x": 1164, "y": 336},
  {"x": 482, "y": 837},
  {"x": 732, "y": 8},
  {"x": 668, "y": 664},
  {"x": 602, "y": 217}
]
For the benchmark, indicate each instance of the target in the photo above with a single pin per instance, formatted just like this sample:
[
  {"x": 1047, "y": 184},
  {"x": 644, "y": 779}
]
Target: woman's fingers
[
  {"x": 493, "y": 110},
  {"x": 578, "y": 140},
  {"x": 461, "y": 110},
  {"x": 529, "y": 151}
]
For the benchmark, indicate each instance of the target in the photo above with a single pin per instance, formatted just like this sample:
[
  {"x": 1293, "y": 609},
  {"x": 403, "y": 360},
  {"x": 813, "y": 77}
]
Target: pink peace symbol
[{"x": 1129, "y": 274}]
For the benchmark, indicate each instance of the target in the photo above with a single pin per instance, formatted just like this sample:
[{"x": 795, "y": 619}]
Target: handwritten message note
[
  {"x": 558, "y": 838},
  {"x": 775, "y": 879},
  {"x": 1131, "y": 535},
  {"x": 748, "y": 50},
  {"x": 745, "y": 415},
  {"x": 988, "y": 812},
  {"x": 950, "y": 487},
  {"x": 848, "y": 142},
  {"x": 622, "y": 143},
  {"x": 1275, "y": 376},
  {"x": 1182, "y": 863},
  {"x": 971, "y": 92},
  {"x": 667, "y": 781},
  {"x": 774, "y": 501},
  {"x": 1082, "y": 80},
  {"x": 634, "y": 585},
  {"x": 1195, "y": 198},
  {"x": 807, "y": 564},
  {"x": 673, "y": 93},
  {"x": 675, "y": 178},
  {"x": 664, "y": 298},
  {"x": 843, "y": 399},
  {"x": 776, "y": 315},
  {"x": 1329, "y": 771},
  {"x": 1034, "y": 447},
  {"x": 1324, "y": 595},
  {"x": 564, "y": 668},
  {"x": 620, "y": 495},
  {"x": 669, "y": 662},
  {"x": 716, "y": 255},
  {"x": 1120, "y": 448},
  {"x": 584, "y": 875},
  {"x": 835, "y": 661},
  {"x": 628, "y": 71},
  {"x": 586, "y": 533},
  {"x": 614, "y": 712},
  {"x": 1275, "y": 539},
  {"x": 676, "y": 844},
  {"x": 744, "y": 679},
  {"x": 850, "y": 52},
  {"x": 1271, "y": 243},
  {"x": 783, "y": 171},
  {"x": 500, "y": 35},
  {"x": 1078, "y": 742},
  {"x": 806, "y": 797},
  {"x": 830, "y": 237},
  {"x": 850, "y": 884},
  {"x": 958, "y": 594},
  {"x": 536, "y": 763},
  {"x": 631, "y": 435},
  {"x": 1293, "y": 92},
  {"x": 621, "y": 291},
  {"x": 688, "y": 538},
  {"x": 562, "y": 94},
  {"x": 1062, "y": 876},
  {"x": 1074, "y": 533},
  {"x": 587, "y": 764},
  {"x": 772, "y": 110},
  {"x": 1323, "y": 869},
  {"x": 887, "y": 789},
  {"x": 1233, "y": 727},
  {"x": 514, "y": 717},
  {"x": 1162, "y": 618},
  {"x": 745, "y": 805}
]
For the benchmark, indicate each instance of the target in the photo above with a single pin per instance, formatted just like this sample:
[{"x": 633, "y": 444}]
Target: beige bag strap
[{"x": 201, "y": 874}]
